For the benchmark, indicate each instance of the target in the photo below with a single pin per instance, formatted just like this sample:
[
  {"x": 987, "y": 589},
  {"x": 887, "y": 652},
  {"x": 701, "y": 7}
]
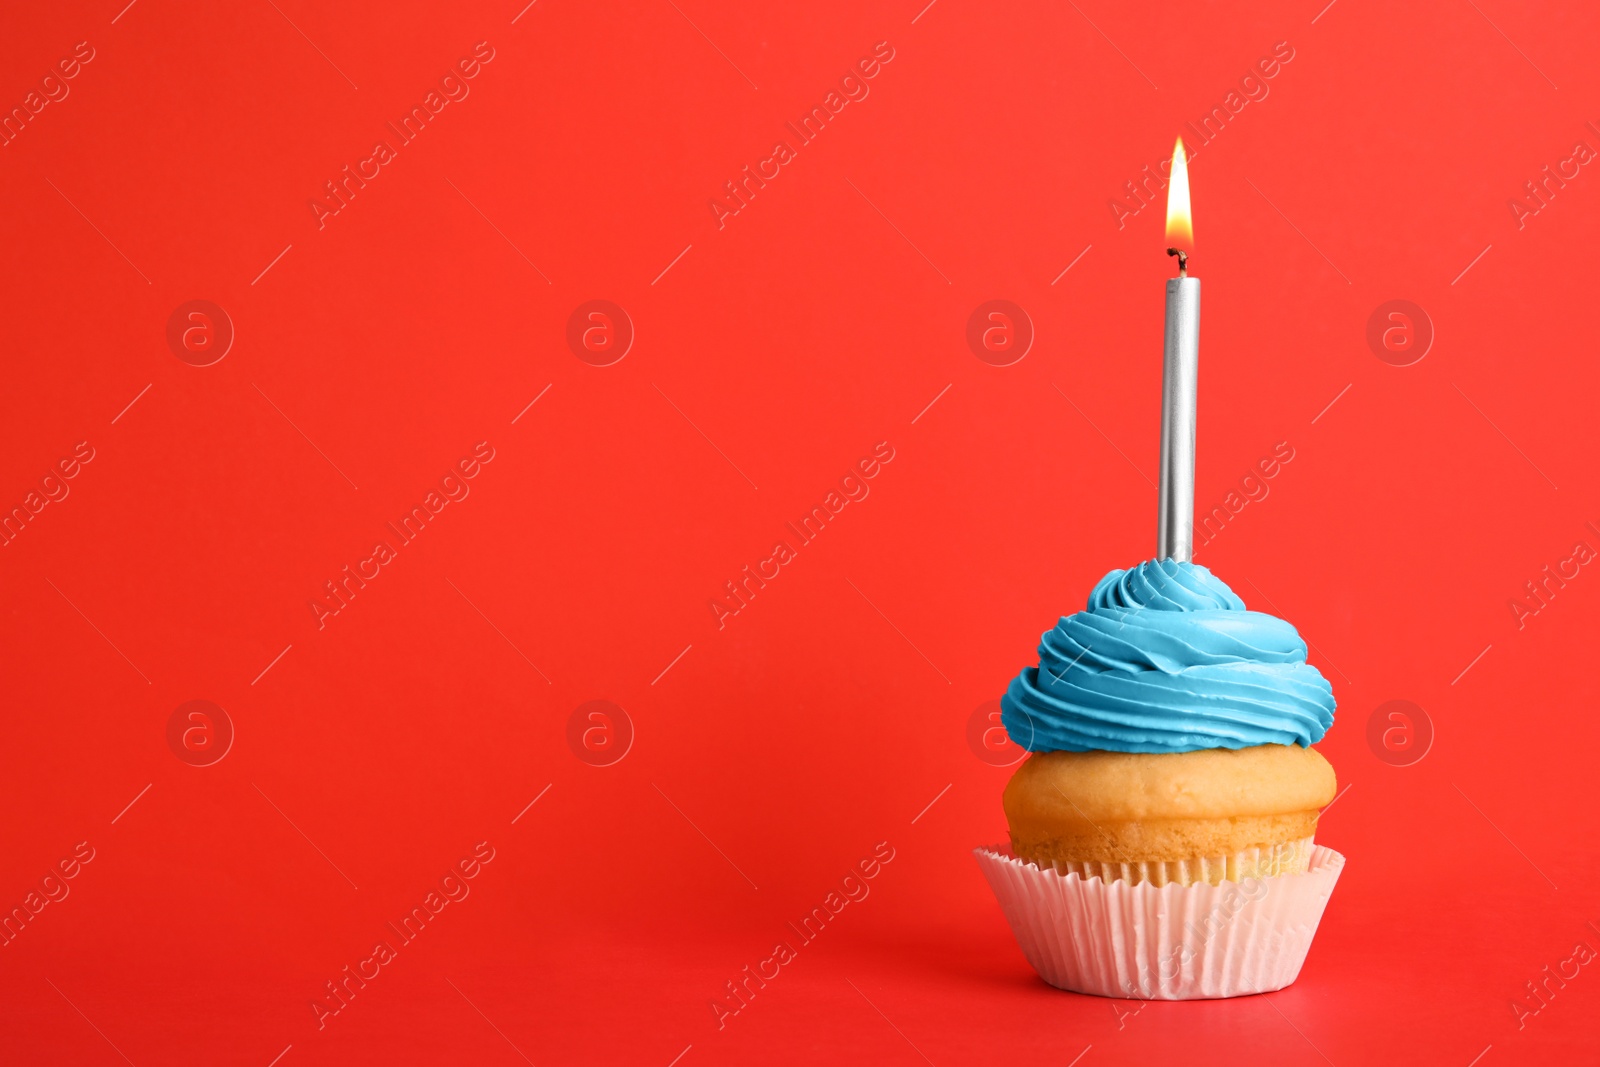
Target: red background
[{"x": 820, "y": 320}]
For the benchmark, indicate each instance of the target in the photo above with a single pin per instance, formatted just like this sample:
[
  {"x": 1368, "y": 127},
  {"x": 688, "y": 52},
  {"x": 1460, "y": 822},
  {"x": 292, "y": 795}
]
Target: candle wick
[{"x": 1183, "y": 261}]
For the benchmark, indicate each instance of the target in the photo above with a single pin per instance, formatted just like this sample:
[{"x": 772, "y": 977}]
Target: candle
[{"x": 1179, "y": 377}]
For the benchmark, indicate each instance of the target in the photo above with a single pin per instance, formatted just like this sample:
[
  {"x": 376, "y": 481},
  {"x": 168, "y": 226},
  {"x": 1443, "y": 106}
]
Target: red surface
[{"x": 773, "y": 355}]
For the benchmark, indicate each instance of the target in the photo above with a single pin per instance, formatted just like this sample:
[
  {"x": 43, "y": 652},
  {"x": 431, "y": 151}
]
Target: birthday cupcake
[{"x": 1162, "y": 832}]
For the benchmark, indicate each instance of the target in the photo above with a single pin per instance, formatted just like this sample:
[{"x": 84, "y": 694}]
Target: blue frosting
[{"x": 1167, "y": 659}]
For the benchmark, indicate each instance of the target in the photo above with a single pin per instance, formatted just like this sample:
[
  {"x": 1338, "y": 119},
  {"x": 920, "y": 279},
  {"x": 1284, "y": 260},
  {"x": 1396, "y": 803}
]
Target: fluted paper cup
[{"x": 1169, "y": 942}]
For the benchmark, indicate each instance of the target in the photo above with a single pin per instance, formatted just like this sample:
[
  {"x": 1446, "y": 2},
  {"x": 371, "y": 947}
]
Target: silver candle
[{"x": 1180, "y": 374}]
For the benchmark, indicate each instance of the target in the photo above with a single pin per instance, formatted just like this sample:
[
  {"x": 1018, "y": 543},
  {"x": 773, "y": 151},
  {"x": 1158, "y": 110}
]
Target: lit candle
[{"x": 1179, "y": 377}]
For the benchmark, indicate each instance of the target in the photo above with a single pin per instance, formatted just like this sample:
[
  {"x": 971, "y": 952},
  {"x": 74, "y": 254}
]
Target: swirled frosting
[{"x": 1167, "y": 659}]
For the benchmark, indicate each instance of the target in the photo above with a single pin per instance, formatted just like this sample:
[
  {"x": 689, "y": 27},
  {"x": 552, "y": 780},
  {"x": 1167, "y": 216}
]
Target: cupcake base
[
  {"x": 1266, "y": 861},
  {"x": 1169, "y": 942}
]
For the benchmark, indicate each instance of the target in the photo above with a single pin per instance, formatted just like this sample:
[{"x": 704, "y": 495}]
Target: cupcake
[{"x": 1171, "y": 782}]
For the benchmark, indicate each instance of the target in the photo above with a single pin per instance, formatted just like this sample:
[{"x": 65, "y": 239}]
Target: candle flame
[{"x": 1180, "y": 223}]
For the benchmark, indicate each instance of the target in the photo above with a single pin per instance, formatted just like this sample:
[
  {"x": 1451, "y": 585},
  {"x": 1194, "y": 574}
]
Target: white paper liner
[
  {"x": 1286, "y": 857},
  {"x": 1170, "y": 942}
]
